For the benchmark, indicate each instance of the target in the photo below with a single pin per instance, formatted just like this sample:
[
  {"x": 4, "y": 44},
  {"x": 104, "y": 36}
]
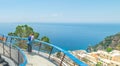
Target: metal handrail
[
  {"x": 76, "y": 60},
  {"x": 66, "y": 53},
  {"x": 25, "y": 59},
  {"x": 18, "y": 49}
]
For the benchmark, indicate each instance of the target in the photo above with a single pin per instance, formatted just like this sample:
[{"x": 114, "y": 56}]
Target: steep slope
[{"x": 109, "y": 43}]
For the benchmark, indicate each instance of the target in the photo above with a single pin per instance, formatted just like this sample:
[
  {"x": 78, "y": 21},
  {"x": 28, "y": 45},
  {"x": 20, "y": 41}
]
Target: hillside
[{"x": 109, "y": 43}]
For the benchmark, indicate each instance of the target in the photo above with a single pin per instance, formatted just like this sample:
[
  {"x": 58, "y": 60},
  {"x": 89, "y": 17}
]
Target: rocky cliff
[{"x": 109, "y": 43}]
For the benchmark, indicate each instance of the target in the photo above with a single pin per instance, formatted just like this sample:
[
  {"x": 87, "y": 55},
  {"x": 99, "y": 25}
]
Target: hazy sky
[{"x": 60, "y": 11}]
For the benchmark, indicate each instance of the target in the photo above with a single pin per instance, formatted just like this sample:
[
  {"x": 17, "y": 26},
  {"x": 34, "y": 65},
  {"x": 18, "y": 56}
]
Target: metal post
[
  {"x": 10, "y": 46},
  {"x": 3, "y": 45},
  {"x": 6, "y": 39},
  {"x": 50, "y": 52},
  {"x": 18, "y": 57},
  {"x": 62, "y": 60},
  {"x": 39, "y": 47}
]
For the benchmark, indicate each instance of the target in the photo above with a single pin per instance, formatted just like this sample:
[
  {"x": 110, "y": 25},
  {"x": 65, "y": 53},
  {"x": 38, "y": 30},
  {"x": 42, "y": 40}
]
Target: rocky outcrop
[{"x": 112, "y": 41}]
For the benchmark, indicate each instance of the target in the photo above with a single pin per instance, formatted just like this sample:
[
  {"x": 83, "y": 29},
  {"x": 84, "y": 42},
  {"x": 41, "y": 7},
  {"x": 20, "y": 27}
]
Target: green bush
[
  {"x": 109, "y": 49},
  {"x": 99, "y": 64}
]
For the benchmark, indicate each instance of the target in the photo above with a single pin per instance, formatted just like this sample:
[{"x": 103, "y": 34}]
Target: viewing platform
[
  {"x": 36, "y": 60},
  {"x": 43, "y": 54}
]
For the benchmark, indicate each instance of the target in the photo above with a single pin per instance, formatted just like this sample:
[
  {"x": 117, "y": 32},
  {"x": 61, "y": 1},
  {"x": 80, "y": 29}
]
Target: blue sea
[{"x": 68, "y": 36}]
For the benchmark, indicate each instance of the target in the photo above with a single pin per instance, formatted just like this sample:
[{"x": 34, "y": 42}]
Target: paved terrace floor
[
  {"x": 33, "y": 59},
  {"x": 37, "y": 60}
]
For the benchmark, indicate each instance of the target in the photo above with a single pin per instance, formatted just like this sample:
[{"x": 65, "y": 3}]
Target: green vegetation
[
  {"x": 46, "y": 47},
  {"x": 109, "y": 43},
  {"x": 45, "y": 39},
  {"x": 24, "y": 31},
  {"x": 109, "y": 49},
  {"x": 58, "y": 54},
  {"x": 99, "y": 64}
]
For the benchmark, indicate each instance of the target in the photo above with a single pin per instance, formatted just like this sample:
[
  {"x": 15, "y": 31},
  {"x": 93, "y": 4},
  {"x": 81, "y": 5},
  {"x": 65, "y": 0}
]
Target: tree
[
  {"x": 11, "y": 34},
  {"x": 45, "y": 39},
  {"x": 23, "y": 31},
  {"x": 46, "y": 47}
]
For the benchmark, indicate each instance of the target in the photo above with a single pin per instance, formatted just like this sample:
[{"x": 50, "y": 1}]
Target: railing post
[
  {"x": 10, "y": 46},
  {"x": 50, "y": 52},
  {"x": 62, "y": 60},
  {"x": 3, "y": 45},
  {"x": 18, "y": 57},
  {"x": 39, "y": 47}
]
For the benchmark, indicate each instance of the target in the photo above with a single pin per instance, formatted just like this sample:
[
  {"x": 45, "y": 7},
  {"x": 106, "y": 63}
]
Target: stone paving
[{"x": 36, "y": 60}]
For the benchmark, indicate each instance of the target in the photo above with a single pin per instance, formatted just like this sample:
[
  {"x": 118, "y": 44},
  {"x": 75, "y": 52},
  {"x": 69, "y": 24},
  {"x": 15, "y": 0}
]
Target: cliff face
[{"x": 112, "y": 42}]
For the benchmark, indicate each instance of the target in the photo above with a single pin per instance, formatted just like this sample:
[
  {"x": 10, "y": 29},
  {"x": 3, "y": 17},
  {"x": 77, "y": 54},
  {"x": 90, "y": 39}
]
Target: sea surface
[{"x": 68, "y": 36}]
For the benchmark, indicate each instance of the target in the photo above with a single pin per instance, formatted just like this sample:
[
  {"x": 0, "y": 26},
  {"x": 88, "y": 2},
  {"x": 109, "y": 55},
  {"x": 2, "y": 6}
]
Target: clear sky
[{"x": 65, "y": 11}]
